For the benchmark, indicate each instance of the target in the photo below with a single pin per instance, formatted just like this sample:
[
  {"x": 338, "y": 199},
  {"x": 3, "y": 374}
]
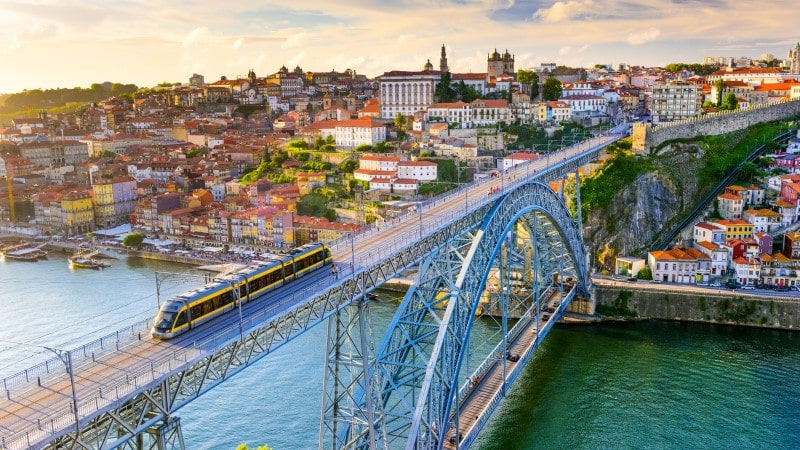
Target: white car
[{"x": 715, "y": 284}]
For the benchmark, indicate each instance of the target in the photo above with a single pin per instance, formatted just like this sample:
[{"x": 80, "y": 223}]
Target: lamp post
[{"x": 66, "y": 358}]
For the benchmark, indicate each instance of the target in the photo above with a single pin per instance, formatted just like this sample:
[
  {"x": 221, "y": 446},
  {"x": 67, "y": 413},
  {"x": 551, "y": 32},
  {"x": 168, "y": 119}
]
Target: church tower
[
  {"x": 794, "y": 59},
  {"x": 443, "y": 61}
]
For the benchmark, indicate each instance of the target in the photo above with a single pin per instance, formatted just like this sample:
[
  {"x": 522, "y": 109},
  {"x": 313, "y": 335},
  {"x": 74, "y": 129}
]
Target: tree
[
  {"x": 747, "y": 171},
  {"x": 730, "y": 102},
  {"x": 362, "y": 148},
  {"x": 529, "y": 78},
  {"x": 645, "y": 274},
  {"x": 400, "y": 121},
  {"x": 348, "y": 166},
  {"x": 465, "y": 93},
  {"x": 444, "y": 92},
  {"x": 133, "y": 240},
  {"x": 552, "y": 89},
  {"x": 720, "y": 86}
]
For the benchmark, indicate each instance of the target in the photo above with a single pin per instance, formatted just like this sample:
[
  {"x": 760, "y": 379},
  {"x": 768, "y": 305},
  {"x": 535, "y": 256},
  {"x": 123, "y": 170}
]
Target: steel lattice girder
[
  {"x": 127, "y": 416},
  {"x": 429, "y": 332}
]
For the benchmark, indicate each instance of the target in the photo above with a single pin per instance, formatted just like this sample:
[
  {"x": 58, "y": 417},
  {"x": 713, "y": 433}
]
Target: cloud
[
  {"x": 197, "y": 35},
  {"x": 296, "y": 40},
  {"x": 561, "y": 11},
  {"x": 237, "y": 43},
  {"x": 644, "y": 36},
  {"x": 570, "y": 50}
]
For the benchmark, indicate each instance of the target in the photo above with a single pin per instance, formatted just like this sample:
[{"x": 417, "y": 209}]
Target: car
[
  {"x": 782, "y": 289},
  {"x": 715, "y": 284},
  {"x": 633, "y": 279},
  {"x": 545, "y": 317},
  {"x": 748, "y": 287},
  {"x": 455, "y": 435},
  {"x": 655, "y": 280}
]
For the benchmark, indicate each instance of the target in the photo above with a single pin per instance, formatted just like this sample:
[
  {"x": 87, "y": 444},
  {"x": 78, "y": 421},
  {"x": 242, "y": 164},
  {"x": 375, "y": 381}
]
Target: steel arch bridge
[{"x": 418, "y": 376}]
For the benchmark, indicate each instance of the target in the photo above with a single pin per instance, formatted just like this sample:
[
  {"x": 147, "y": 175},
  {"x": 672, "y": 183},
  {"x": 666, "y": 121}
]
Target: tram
[{"x": 186, "y": 311}]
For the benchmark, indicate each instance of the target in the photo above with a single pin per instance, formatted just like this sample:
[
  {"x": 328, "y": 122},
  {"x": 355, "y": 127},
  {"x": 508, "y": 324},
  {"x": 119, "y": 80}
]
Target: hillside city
[{"x": 251, "y": 163}]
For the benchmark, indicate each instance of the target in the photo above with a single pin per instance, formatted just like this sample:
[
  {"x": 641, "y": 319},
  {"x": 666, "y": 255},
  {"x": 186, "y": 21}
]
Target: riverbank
[{"x": 720, "y": 307}]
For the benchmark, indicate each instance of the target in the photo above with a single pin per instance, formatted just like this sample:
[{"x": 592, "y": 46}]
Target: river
[{"x": 634, "y": 385}]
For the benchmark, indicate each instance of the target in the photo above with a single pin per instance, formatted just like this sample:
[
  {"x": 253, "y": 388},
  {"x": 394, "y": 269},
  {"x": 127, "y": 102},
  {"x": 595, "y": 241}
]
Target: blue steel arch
[{"x": 428, "y": 331}]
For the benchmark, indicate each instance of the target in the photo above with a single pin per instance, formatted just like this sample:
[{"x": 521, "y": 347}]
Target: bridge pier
[
  {"x": 166, "y": 435},
  {"x": 351, "y": 409}
]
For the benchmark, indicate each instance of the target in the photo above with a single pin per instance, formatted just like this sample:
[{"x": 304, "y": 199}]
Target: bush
[{"x": 133, "y": 240}]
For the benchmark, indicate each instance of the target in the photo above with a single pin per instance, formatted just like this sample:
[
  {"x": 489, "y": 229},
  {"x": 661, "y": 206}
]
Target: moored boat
[
  {"x": 83, "y": 262},
  {"x": 25, "y": 254}
]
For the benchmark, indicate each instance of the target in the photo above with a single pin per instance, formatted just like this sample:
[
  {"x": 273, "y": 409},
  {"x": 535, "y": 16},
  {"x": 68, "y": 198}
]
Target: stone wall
[
  {"x": 648, "y": 136},
  {"x": 721, "y": 306}
]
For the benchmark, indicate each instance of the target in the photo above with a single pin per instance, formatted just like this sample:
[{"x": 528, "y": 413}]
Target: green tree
[
  {"x": 133, "y": 240},
  {"x": 645, "y": 274},
  {"x": 529, "y": 78},
  {"x": 363, "y": 148},
  {"x": 465, "y": 93},
  {"x": 720, "y": 86},
  {"x": 552, "y": 89},
  {"x": 400, "y": 121},
  {"x": 380, "y": 147},
  {"x": 748, "y": 171},
  {"x": 729, "y": 103},
  {"x": 315, "y": 205},
  {"x": 444, "y": 92},
  {"x": 348, "y": 166},
  {"x": 194, "y": 153}
]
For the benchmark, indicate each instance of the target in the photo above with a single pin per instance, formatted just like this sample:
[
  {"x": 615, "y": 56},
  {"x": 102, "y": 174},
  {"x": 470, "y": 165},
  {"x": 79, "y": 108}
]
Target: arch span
[{"x": 420, "y": 358}]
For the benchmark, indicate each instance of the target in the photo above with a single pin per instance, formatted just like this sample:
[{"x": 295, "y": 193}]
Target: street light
[{"x": 66, "y": 358}]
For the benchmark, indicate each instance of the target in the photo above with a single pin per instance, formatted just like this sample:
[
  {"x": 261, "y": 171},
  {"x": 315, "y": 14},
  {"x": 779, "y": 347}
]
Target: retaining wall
[
  {"x": 646, "y": 136},
  {"x": 720, "y": 307}
]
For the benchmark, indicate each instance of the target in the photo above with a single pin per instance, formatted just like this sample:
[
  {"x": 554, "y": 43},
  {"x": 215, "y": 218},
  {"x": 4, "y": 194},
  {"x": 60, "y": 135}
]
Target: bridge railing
[{"x": 54, "y": 365}]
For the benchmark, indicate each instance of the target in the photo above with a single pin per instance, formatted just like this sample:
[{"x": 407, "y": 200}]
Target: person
[{"x": 333, "y": 272}]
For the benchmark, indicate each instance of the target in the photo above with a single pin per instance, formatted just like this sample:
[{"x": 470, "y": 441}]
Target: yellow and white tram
[{"x": 188, "y": 310}]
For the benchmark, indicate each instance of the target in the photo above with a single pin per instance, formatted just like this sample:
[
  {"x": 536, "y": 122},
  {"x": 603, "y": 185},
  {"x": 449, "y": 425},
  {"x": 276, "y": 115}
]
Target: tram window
[
  {"x": 289, "y": 269},
  {"x": 197, "y": 311},
  {"x": 227, "y": 297},
  {"x": 181, "y": 319}
]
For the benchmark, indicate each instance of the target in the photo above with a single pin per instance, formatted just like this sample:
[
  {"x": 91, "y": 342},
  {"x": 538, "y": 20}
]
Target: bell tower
[{"x": 443, "y": 61}]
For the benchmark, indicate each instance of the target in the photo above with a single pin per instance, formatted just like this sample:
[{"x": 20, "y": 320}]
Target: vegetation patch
[{"x": 619, "y": 308}]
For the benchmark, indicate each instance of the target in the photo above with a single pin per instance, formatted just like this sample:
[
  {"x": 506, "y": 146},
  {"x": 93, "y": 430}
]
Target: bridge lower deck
[{"x": 488, "y": 387}]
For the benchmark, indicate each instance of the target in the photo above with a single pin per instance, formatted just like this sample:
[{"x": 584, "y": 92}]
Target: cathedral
[
  {"x": 442, "y": 62},
  {"x": 497, "y": 64}
]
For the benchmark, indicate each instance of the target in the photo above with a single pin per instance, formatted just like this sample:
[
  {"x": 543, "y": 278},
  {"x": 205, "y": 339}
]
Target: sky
[{"x": 69, "y": 43}]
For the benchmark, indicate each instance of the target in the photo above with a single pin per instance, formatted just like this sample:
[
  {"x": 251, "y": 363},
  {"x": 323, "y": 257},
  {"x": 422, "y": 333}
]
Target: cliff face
[{"x": 642, "y": 209}]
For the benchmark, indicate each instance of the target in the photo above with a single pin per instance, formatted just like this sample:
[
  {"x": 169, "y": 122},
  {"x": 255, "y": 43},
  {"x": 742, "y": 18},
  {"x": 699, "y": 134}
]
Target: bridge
[{"x": 505, "y": 248}]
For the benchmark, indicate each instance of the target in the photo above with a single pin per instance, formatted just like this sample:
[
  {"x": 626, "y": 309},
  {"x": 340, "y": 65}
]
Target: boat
[
  {"x": 81, "y": 261},
  {"x": 25, "y": 254}
]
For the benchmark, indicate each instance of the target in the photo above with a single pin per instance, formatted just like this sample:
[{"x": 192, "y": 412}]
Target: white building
[
  {"x": 417, "y": 170},
  {"x": 376, "y": 162},
  {"x": 352, "y": 133},
  {"x": 407, "y": 92}
]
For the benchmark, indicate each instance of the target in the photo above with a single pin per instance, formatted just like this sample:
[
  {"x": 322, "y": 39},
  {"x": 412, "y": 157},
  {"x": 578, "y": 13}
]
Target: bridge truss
[{"x": 409, "y": 394}]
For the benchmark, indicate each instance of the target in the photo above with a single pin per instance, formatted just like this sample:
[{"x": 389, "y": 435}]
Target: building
[
  {"x": 497, "y": 64},
  {"x": 677, "y": 265},
  {"x": 55, "y": 154},
  {"x": 708, "y": 232},
  {"x": 675, "y": 100},
  {"x": 417, "y": 170},
  {"x": 730, "y": 206},
  {"x": 114, "y": 201},
  {"x": 407, "y": 92},
  {"x": 363, "y": 131}
]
